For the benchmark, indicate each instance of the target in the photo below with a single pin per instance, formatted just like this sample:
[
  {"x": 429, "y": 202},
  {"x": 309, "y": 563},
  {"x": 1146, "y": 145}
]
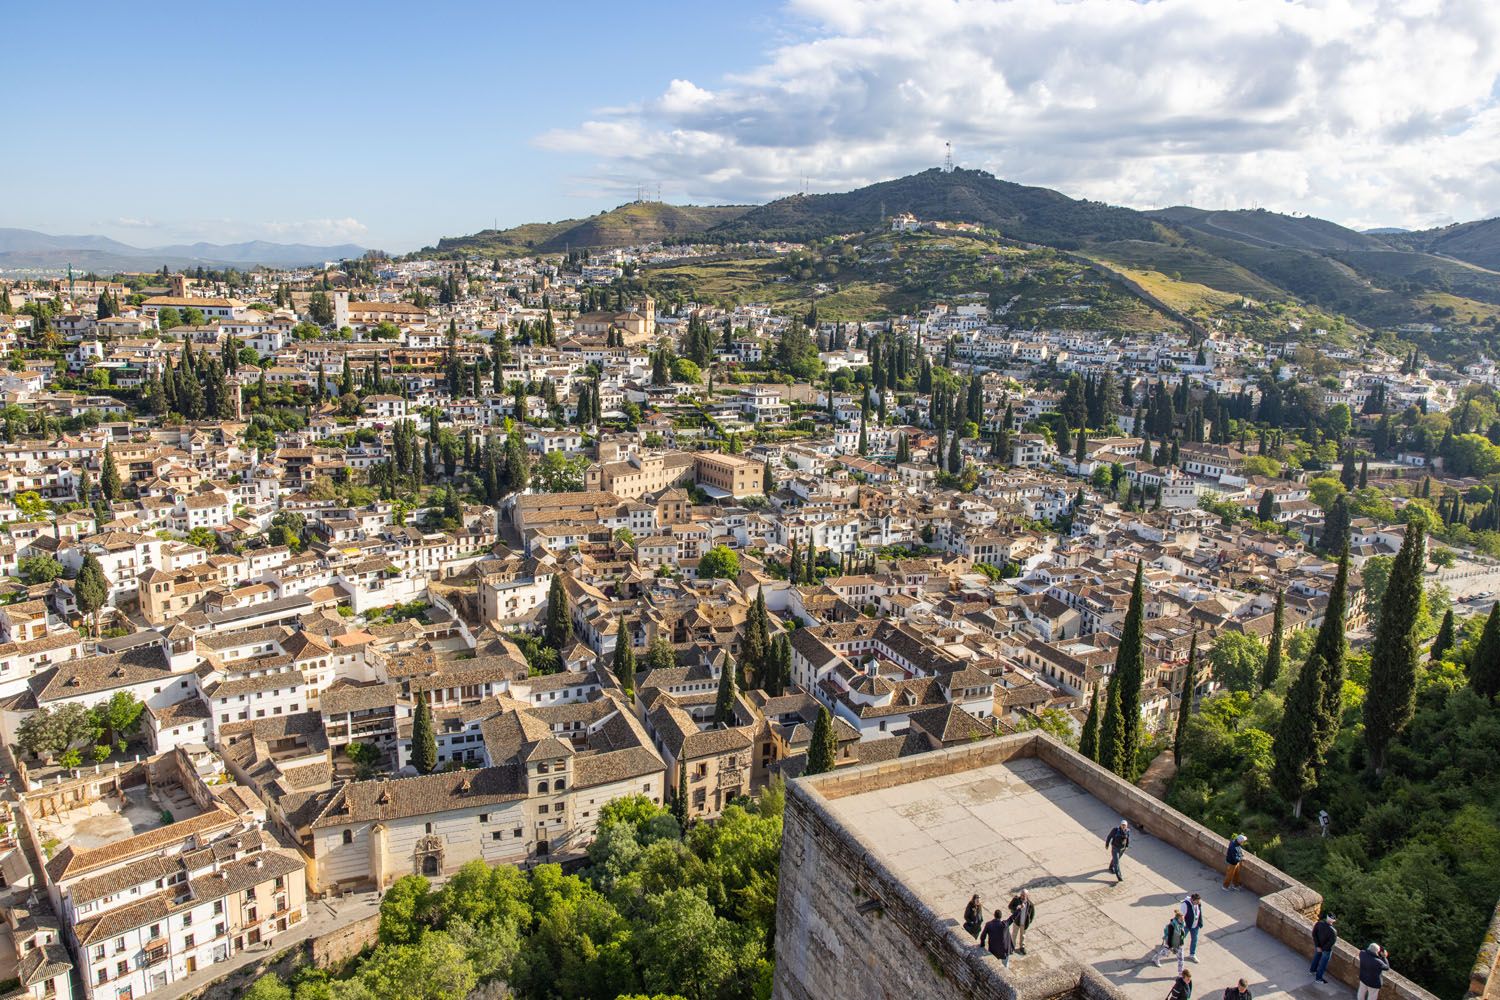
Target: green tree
[
  {"x": 725, "y": 700},
  {"x": 559, "y": 627},
  {"x": 1270, "y": 671},
  {"x": 1332, "y": 648},
  {"x": 685, "y": 948},
  {"x": 1185, "y": 703},
  {"x": 1237, "y": 660},
  {"x": 1112, "y": 731},
  {"x": 1130, "y": 672},
  {"x": 624, "y": 665},
  {"x": 404, "y": 910},
  {"x": 679, "y": 805},
  {"x": 268, "y": 987},
  {"x": 1088, "y": 743},
  {"x": 1296, "y": 749},
  {"x": 1266, "y": 509},
  {"x": 120, "y": 717},
  {"x": 109, "y": 477},
  {"x": 32, "y": 507},
  {"x": 434, "y": 968},
  {"x": 423, "y": 737},
  {"x": 41, "y": 568},
  {"x": 1484, "y": 665},
  {"x": 1391, "y": 697},
  {"x": 320, "y": 309},
  {"x": 1444, "y": 639},
  {"x": 52, "y": 733},
  {"x": 660, "y": 655},
  {"x": 719, "y": 563},
  {"x": 91, "y": 589},
  {"x": 823, "y": 750}
]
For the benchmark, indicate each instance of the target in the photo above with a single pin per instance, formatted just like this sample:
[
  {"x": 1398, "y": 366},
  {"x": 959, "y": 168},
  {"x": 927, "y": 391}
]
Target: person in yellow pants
[{"x": 1233, "y": 858}]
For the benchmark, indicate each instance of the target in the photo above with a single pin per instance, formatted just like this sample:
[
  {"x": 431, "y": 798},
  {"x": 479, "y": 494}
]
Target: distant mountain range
[{"x": 25, "y": 249}]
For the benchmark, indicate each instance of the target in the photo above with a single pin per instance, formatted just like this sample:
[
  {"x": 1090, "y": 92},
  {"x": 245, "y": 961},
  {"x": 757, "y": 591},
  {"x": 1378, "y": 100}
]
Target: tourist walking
[
  {"x": 1118, "y": 842},
  {"x": 1182, "y": 986},
  {"x": 996, "y": 937},
  {"x": 1022, "y": 912},
  {"x": 1239, "y": 991},
  {"x": 1374, "y": 963},
  {"x": 1233, "y": 858},
  {"x": 974, "y": 916},
  {"x": 1323, "y": 822},
  {"x": 1192, "y": 916},
  {"x": 1324, "y": 934},
  {"x": 1172, "y": 938}
]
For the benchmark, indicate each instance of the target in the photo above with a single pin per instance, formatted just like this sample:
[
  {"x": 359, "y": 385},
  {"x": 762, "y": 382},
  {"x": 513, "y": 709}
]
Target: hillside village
[{"x": 324, "y": 577}]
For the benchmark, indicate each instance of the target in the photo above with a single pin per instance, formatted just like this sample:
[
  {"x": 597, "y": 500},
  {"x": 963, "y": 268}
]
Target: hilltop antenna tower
[{"x": 948, "y": 158}]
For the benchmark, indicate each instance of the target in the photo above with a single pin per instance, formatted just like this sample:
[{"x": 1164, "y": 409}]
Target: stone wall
[
  {"x": 340, "y": 945},
  {"x": 848, "y": 927},
  {"x": 1484, "y": 980}
]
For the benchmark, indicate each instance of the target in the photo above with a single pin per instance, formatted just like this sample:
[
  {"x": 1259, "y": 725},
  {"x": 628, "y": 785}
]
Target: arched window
[
  {"x": 429, "y": 827},
  {"x": 557, "y": 785},
  {"x": 541, "y": 788},
  {"x": 348, "y": 836}
]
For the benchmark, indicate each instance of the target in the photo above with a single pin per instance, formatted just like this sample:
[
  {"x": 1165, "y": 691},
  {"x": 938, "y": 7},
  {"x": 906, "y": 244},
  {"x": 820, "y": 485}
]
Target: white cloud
[
  {"x": 344, "y": 230},
  {"x": 1370, "y": 112}
]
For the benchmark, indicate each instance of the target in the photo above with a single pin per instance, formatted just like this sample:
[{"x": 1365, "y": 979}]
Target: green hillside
[
  {"x": 1475, "y": 242},
  {"x": 628, "y": 225},
  {"x": 871, "y": 276},
  {"x": 1270, "y": 229},
  {"x": 1033, "y": 214}
]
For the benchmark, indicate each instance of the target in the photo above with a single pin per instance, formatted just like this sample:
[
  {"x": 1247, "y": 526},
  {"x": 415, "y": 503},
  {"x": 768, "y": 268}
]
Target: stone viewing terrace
[{"x": 879, "y": 861}]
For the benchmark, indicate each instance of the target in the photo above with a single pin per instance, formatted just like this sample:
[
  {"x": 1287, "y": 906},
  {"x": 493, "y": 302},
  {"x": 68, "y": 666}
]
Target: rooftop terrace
[{"x": 879, "y": 861}]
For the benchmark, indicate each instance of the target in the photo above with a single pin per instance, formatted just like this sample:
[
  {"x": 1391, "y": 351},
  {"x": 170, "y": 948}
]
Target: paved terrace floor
[{"x": 996, "y": 829}]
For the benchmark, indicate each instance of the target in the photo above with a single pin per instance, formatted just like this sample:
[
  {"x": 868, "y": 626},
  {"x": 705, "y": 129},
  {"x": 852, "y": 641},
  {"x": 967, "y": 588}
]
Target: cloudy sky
[{"x": 380, "y": 131}]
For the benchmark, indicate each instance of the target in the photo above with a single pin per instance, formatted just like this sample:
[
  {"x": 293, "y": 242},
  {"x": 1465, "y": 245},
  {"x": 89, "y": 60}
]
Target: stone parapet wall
[{"x": 1484, "y": 979}]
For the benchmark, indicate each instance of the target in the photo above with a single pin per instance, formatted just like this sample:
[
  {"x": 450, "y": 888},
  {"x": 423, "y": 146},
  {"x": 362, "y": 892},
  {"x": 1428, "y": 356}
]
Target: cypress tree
[
  {"x": 423, "y": 737},
  {"x": 559, "y": 628},
  {"x": 109, "y": 477},
  {"x": 1484, "y": 668},
  {"x": 1444, "y": 640},
  {"x": 1296, "y": 749},
  {"x": 1185, "y": 706},
  {"x": 91, "y": 589},
  {"x": 1266, "y": 509},
  {"x": 724, "y": 703},
  {"x": 1112, "y": 731},
  {"x": 624, "y": 665},
  {"x": 1130, "y": 671},
  {"x": 1088, "y": 743},
  {"x": 1391, "y": 699},
  {"x": 823, "y": 750},
  {"x": 679, "y": 804},
  {"x": 1270, "y": 671},
  {"x": 1335, "y": 537},
  {"x": 1332, "y": 647}
]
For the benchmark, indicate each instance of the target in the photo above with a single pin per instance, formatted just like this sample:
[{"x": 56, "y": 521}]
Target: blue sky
[
  {"x": 307, "y": 121},
  {"x": 391, "y": 125}
]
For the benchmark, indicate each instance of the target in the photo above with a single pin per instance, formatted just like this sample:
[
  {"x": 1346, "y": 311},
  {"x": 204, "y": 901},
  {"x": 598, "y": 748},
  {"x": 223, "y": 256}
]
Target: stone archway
[{"x": 427, "y": 859}]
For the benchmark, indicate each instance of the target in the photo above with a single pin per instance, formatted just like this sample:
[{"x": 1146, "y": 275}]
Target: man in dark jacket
[
  {"x": 1374, "y": 962},
  {"x": 1239, "y": 991},
  {"x": 1324, "y": 935},
  {"x": 1118, "y": 841},
  {"x": 1022, "y": 912},
  {"x": 996, "y": 937},
  {"x": 1232, "y": 860},
  {"x": 1182, "y": 986}
]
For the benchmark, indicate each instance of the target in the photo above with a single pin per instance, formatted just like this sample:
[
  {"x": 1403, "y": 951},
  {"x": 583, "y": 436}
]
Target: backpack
[{"x": 1174, "y": 934}]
